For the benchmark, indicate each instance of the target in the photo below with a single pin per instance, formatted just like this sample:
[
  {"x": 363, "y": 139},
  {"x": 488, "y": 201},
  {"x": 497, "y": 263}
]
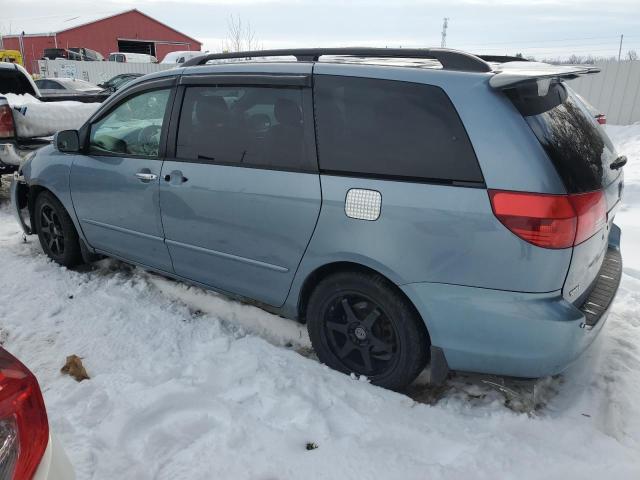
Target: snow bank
[
  {"x": 34, "y": 118},
  {"x": 627, "y": 139},
  {"x": 188, "y": 384}
]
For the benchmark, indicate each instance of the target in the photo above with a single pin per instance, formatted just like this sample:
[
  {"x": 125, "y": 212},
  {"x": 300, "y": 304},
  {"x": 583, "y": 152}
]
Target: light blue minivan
[{"x": 413, "y": 207}]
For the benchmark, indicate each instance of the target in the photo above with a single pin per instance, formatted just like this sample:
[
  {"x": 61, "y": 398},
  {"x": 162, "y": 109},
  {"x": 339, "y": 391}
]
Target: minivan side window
[
  {"x": 243, "y": 126},
  {"x": 133, "y": 127},
  {"x": 391, "y": 129}
]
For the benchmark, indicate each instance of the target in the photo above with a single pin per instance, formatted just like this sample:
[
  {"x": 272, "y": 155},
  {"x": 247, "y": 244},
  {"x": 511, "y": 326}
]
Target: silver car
[{"x": 66, "y": 86}]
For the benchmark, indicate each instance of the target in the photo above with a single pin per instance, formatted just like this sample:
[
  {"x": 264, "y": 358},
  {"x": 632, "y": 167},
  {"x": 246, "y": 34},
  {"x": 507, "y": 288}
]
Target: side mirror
[{"x": 67, "y": 141}]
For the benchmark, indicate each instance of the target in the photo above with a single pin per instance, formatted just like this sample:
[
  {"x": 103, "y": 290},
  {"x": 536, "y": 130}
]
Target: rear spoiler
[
  {"x": 513, "y": 73},
  {"x": 501, "y": 58}
]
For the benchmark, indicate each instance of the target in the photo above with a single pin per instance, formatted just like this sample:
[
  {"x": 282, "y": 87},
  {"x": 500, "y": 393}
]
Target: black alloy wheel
[
  {"x": 51, "y": 229},
  {"x": 56, "y": 231},
  {"x": 359, "y": 333},
  {"x": 361, "y": 323}
]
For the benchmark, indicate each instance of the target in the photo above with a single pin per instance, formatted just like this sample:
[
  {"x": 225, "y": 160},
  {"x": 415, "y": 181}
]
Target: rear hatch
[{"x": 582, "y": 154}]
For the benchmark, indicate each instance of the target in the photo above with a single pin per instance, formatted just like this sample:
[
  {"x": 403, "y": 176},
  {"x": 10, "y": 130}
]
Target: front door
[
  {"x": 241, "y": 196},
  {"x": 115, "y": 187}
]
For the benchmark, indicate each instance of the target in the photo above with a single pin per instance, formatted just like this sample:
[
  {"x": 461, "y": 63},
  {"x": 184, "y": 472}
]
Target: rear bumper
[
  {"x": 604, "y": 289},
  {"x": 10, "y": 157},
  {"x": 55, "y": 464},
  {"x": 516, "y": 334},
  {"x": 13, "y": 154}
]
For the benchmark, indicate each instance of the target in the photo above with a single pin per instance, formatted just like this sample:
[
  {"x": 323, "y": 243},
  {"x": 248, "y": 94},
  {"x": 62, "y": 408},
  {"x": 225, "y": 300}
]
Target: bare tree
[
  {"x": 576, "y": 59},
  {"x": 240, "y": 36},
  {"x": 632, "y": 55}
]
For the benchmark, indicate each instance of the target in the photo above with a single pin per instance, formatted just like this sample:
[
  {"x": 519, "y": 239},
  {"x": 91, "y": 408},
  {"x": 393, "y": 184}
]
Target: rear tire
[
  {"x": 56, "y": 232},
  {"x": 359, "y": 323}
]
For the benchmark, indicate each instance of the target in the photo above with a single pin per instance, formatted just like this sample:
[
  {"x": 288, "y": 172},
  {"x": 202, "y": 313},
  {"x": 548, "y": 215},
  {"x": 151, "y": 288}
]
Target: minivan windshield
[{"x": 577, "y": 145}]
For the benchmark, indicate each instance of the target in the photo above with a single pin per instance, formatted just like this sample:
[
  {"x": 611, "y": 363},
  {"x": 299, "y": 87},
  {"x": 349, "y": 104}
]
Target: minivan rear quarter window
[
  {"x": 579, "y": 148},
  {"x": 394, "y": 129}
]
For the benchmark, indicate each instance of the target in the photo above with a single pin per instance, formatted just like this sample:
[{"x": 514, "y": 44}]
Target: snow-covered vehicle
[
  {"x": 50, "y": 87},
  {"x": 181, "y": 56},
  {"x": 29, "y": 119},
  {"x": 27, "y": 448}
]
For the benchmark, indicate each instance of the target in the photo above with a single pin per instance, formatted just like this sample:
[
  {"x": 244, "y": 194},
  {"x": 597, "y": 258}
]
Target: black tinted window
[
  {"x": 391, "y": 128},
  {"x": 14, "y": 81},
  {"x": 49, "y": 85},
  {"x": 247, "y": 126},
  {"x": 55, "y": 85},
  {"x": 578, "y": 147}
]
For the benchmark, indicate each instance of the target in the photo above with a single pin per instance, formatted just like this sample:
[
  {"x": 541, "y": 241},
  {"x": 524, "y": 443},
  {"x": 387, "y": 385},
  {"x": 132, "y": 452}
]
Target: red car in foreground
[{"x": 27, "y": 449}]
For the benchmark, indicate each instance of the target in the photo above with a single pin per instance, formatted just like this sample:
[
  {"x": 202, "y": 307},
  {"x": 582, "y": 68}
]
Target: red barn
[{"x": 130, "y": 31}]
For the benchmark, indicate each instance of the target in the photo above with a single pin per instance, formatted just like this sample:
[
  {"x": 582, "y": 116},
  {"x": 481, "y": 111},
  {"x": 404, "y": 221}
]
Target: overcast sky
[{"x": 543, "y": 28}]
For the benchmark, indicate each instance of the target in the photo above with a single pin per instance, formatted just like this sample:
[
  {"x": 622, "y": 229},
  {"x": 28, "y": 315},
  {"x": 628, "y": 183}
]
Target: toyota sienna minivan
[{"x": 413, "y": 207}]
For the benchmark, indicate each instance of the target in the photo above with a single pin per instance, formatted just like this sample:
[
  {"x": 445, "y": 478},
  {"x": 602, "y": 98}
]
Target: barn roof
[{"x": 39, "y": 26}]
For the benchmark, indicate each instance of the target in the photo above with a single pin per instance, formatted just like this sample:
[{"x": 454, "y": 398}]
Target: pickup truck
[{"x": 18, "y": 138}]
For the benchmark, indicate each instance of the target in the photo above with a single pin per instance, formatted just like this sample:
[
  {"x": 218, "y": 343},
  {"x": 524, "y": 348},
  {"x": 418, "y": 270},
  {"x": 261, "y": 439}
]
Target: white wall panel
[
  {"x": 615, "y": 91},
  {"x": 95, "y": 72}
]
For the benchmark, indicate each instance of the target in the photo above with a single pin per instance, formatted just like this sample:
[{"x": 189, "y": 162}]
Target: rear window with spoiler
[{"x": 578, "y": 147}]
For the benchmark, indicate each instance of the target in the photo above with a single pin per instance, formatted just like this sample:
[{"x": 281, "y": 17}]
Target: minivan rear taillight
[
  {"x": 24, "y": 429},
  {"x": 550, "y": 221},
  {"x": 601, "y": 118},
  {"x": 7, "y": 129}
]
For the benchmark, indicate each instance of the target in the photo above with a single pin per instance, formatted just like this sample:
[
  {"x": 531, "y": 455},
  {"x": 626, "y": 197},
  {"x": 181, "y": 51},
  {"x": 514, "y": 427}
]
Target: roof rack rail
[{"x": 450, "y": 59}]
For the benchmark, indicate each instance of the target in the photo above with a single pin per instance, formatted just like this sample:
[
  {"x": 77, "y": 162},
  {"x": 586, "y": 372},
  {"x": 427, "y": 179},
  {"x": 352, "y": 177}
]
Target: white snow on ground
[{"x": 189, "y": 385}]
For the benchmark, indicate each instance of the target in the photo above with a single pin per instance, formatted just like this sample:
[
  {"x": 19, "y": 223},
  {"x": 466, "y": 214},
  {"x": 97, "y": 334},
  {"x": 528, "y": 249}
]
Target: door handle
[{"x": 146, "y": 177}]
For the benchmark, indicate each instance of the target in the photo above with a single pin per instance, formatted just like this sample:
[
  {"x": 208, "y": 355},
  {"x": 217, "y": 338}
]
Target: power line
[
  {"x": 613, "y": 41},
  {"x": 552, "y": 40},
  {"x": 613, "y": 45}
]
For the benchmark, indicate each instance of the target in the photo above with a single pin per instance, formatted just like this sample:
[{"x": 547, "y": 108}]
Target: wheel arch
[
  {"x": 34, "y": 191},
  {"x": 32, "y": 194},
  {"x": 323, "y": 271}
]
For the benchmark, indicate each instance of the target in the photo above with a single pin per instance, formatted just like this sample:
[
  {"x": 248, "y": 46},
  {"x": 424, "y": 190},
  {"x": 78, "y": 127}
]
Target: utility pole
[
  {"x": 21, "y": 45},
  {"x": 445, "y": 24},
  {"x": 620, "y": 50}
]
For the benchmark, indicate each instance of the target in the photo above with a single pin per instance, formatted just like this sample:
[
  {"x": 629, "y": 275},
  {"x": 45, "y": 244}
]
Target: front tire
[
  {"x": 359, "y": 323},
  {"x": 56, "y": 232}
]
